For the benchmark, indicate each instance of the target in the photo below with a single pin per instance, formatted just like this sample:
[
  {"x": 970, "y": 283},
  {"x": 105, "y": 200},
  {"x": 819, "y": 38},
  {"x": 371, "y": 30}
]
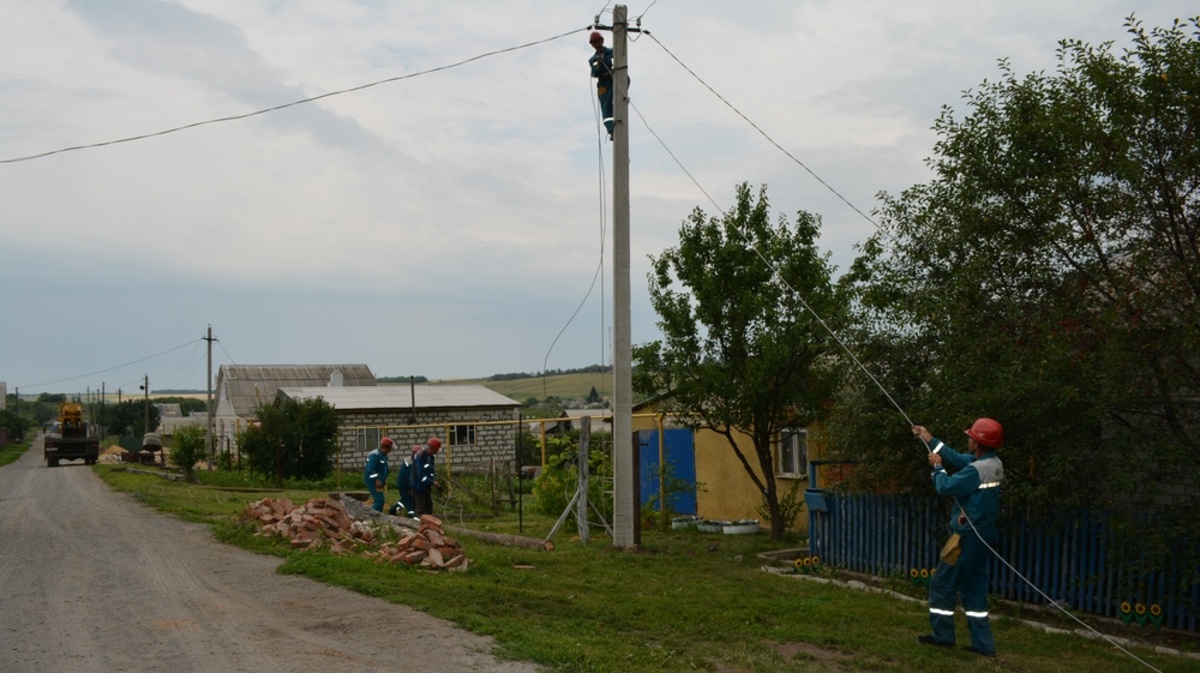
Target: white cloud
[{"x": 446, "y": 224}]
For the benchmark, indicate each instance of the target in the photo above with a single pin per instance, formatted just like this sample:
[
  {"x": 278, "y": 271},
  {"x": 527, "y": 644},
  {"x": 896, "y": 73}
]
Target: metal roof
[
  {"x": 399, "y": 397},
  {"x": 248, "y": 386}
]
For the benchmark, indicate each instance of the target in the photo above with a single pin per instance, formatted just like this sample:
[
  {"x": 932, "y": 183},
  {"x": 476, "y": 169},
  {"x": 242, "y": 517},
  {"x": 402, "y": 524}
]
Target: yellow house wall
[{"x": 726, "y": 491}]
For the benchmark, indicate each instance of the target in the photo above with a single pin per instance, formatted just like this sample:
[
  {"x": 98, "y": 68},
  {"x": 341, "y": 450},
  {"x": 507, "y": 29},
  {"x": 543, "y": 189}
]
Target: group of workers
[
  {"x": 415, "y": 480},
  {"x": 973, "y": 479}
]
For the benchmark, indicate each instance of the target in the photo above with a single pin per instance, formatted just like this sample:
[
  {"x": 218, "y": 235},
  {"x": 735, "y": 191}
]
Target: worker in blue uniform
[
  {"x": 375, "y": 473},
  {"x": 602, "y": 72},
  {"x": 424, "y": 476},
  {"x": 973, "y": 480},
  {"x": 404, "y": 503}
]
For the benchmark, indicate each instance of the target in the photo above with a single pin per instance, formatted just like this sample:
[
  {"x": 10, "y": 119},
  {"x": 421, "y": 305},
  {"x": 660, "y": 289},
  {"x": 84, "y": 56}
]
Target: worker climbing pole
[{"x": 602, "y": 71}]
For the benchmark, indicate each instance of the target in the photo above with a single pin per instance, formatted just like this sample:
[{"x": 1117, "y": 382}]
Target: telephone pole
[
  {"x": 625, "y": 532},
  {"x": 211, "y": 412}
]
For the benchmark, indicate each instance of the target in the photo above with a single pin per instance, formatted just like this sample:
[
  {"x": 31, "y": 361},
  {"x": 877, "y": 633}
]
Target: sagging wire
[
  {"x": 776, "y": 273},
  {"x": 109, "y": 369},
  {"x": 771, "y": 140},
  {"x": 600, "y": 264},
  {"x": 284, "y": 106}
]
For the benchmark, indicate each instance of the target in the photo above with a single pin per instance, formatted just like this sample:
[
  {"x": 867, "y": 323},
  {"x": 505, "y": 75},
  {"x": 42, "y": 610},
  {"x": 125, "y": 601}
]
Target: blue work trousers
[{"x": 965, "y": 581}]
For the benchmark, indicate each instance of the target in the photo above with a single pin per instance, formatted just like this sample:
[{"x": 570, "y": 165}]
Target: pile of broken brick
[{"x": 324, "y": 522}]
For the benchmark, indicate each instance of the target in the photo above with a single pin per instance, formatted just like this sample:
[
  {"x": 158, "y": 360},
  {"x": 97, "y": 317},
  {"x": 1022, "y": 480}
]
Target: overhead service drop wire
[
  {"x": 776, "y": 273},
  {"x": 284, "y": 106},
  {"x": 600, "y": 264}
]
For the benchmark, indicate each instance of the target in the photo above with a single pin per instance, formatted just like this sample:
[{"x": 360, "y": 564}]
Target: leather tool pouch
[{"x": 951, "y": 550}]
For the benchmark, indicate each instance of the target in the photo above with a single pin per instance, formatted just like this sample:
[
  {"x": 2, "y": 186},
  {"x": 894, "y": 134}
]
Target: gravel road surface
[{"x": 91, "y": 581}]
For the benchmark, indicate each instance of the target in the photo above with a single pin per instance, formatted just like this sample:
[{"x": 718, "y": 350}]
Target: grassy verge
[
  {"x": 686, "y": 601},
  {"x": 12, "y": 452}
]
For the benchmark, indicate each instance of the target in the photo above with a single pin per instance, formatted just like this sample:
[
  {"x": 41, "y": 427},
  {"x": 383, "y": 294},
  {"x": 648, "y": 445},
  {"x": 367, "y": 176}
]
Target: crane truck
[{"x": 70, "y": 440}]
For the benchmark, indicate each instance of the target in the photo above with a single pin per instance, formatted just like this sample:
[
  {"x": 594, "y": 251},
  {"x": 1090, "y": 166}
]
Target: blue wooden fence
[{"x": 1072, "y": 562}]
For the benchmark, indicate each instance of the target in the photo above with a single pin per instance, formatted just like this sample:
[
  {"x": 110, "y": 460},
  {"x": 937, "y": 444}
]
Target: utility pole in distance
[
  {"x": 210, "y": 434},
  {"x": 624, "y": 505}
]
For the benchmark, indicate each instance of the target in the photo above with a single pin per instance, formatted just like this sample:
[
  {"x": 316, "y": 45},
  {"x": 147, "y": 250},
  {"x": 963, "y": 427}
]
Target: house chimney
[{"x": 336, "y": 379}]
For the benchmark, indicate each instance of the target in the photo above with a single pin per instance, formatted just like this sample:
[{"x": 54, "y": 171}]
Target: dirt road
[{"x": 92, "y": 581}]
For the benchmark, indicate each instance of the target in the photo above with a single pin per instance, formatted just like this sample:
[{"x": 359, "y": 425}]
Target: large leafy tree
[
  {"x": 740, "y": 351},
  {"x": 1049, "y": 276},
  {"x": 294, "y": 439}
]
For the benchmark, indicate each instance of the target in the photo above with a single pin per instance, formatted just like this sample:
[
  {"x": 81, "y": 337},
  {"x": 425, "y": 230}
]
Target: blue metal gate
[{"x": 680, "y": 455}]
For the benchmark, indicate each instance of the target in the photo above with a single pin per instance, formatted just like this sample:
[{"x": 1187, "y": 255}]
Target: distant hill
[{"x": 564, "y": 386}]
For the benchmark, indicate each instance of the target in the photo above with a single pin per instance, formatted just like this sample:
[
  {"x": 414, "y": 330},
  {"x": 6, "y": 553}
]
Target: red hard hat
[
  {"x": 434, "y": 444},
  {"x": 987, "y": 432},
  {"x": 386, "y": 441},
  {"x": 595, "y": 37}
]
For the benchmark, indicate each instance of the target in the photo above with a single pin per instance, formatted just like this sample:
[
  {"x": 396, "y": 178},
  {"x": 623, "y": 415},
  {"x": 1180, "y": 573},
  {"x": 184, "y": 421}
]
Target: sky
[{"x": 450, "y": 223}]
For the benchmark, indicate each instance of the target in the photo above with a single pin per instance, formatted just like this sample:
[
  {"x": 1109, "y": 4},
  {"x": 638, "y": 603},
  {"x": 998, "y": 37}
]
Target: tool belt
[{"x": 952, "y": 549}]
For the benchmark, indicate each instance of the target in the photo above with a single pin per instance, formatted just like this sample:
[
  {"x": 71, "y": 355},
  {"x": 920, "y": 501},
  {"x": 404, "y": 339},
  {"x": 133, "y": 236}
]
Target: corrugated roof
[
  {"x": 248, "y": 386},
  {"x": 398, "y": 397}
]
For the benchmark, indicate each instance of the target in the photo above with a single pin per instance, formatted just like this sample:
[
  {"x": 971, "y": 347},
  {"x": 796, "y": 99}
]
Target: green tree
[
  {"x": 740, "y": 352},
  {"x": 13, "y": 425},
  {"x": 593, "y": 396},
  {"x": 1049, "y": 277},
  {"x": 188, "y": 446},
  {"x": 294, "y": 439},
  {"x": 129, "y": 417}
]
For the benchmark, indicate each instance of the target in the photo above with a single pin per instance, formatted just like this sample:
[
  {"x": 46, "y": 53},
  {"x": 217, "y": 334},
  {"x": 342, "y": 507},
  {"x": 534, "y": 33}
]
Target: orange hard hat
[
  {"x": 987, "y": 432},
  {"x": 434, "y": 444},
  {"x": 595, "y": 37}
]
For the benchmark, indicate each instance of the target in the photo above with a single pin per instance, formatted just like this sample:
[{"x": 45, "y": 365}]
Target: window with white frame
[
  {"x": 368, "y": 439},
  {"x": 462, "y": 435},
  {"x": 793, "y": 453}
]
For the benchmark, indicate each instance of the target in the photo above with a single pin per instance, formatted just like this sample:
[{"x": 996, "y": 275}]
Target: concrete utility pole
[
  {"x": 211, "y": 411},
  {"x": 146, "y": 405},
  {"x": 624, "y": 506}
]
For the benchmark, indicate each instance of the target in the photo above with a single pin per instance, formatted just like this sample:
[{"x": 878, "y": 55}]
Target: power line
[
  {"x": 102, "y": 371},
  {"x": 764, "y": 134},
  {"x": 284, "y": 106}
]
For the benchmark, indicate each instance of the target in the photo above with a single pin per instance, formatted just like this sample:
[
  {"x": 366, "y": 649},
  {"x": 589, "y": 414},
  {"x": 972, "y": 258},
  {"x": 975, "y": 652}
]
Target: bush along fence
[{"x": 1076, "y": 562}]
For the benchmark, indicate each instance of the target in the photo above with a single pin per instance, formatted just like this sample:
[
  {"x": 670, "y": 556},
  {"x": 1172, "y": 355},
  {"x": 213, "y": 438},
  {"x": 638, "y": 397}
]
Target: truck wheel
[{"x": 53, "y": 462}]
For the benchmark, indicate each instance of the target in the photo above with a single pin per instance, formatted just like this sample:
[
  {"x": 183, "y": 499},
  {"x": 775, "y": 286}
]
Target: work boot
[{"x": 930, "y": 640}]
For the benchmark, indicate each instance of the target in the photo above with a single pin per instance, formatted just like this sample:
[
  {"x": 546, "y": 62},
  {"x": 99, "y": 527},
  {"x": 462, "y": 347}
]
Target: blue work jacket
[{"x": 975, "y": 487}]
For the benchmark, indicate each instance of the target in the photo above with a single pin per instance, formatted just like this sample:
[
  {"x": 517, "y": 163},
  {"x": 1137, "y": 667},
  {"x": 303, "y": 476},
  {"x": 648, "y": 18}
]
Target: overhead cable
[{"x": 284, "y": 106}]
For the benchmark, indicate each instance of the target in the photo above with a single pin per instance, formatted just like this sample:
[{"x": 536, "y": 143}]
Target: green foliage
[
  {"x": 294, "y": 439},
  {"x": 129, "y": 417},
  {"x": 791, "y": 504},
  {"x": 188, "y": 446},
  {"x": 741, "y": 351},
  {"x": 560, "y": 477},
  {"x": 1048, "y": 277},
  {"x": 13, "y": 424},
  {"x": 187, "y": 405}
]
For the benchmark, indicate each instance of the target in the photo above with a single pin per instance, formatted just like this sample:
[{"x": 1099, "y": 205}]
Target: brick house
[{"x": 475, "y": 424}]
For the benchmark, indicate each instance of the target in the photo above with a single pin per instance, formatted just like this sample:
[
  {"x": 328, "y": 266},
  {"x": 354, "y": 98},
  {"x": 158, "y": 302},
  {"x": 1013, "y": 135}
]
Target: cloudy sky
[{"x": 446, "y": 224}]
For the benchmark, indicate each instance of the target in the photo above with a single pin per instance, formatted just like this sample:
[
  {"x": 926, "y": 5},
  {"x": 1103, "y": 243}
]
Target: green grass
[
  {"x": 12, "y": 452},
  {"x": 685, "y": 601}
]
